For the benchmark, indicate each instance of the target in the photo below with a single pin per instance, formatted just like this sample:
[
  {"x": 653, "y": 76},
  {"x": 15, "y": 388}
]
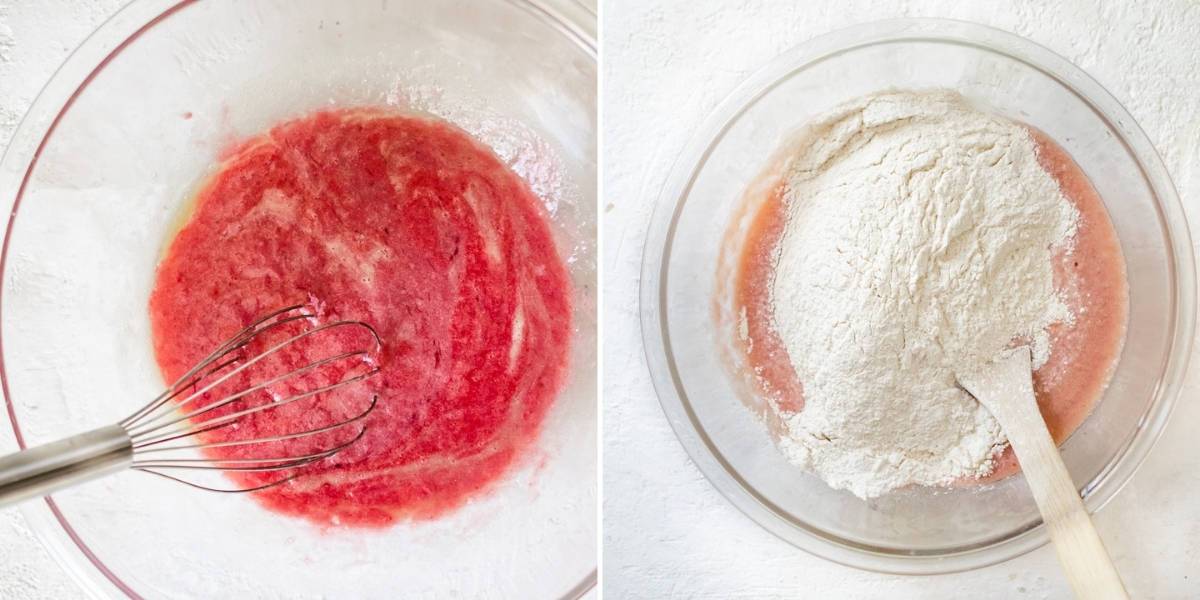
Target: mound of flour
[{"x": 919, "y": 242}]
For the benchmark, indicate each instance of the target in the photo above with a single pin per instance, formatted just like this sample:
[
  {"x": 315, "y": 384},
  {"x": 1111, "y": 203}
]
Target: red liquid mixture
[
  {"x": 411, "y": 226},
  {"x": 1090, "y": 279}
]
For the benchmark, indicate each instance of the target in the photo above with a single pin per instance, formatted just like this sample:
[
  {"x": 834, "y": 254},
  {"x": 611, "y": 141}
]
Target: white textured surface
[
  {"x": 667, "y": 533},
  {"x": 35, "y": 37}
]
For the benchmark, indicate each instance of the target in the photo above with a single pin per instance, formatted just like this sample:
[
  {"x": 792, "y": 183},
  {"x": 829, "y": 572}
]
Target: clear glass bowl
[
  {"x": 914, "y": 530},
  {"x": 97, "y": 174}
]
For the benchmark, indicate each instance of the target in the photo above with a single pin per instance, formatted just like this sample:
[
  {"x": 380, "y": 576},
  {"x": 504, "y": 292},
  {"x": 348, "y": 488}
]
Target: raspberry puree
[
  {"x": 408, "y": 224},
  {"x": 1090, "y": 278}
]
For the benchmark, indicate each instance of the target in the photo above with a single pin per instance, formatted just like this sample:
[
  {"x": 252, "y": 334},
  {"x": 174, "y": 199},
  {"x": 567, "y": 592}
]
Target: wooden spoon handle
[
  {"x": 1007, "y": 391},
  {"x": 1084, "y": 558}
]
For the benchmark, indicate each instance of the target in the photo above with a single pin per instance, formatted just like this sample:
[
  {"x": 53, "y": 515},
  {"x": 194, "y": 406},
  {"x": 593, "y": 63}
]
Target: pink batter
[{"x": 408, "y": 224}]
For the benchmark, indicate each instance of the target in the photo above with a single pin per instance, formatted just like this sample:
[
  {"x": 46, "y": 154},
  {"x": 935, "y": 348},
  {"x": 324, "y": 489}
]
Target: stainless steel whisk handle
[{"x": 44, "y": 469}]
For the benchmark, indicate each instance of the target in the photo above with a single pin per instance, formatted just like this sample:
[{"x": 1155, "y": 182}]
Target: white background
[
  {"x": 667, "y": 533},
  {"x": 35, "y": 37}
]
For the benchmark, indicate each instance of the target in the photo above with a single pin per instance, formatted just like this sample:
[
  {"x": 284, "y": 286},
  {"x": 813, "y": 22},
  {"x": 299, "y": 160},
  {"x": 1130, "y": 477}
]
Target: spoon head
[{"x": 1004, "y": 386}]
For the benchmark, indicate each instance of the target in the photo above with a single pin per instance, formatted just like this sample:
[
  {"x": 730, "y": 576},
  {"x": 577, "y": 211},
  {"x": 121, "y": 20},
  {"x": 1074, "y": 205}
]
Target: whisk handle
[{"x": 44, "y": 469}]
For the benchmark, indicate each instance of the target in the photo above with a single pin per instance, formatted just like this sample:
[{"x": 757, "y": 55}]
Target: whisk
[{"x": 159, "y": 438}]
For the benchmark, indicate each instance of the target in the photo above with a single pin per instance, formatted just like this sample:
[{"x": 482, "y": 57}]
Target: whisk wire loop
[
  {"x": 153, "y": 438},
  {"x": 148, "y": 422},
  {"x": 189, "y": 378}
]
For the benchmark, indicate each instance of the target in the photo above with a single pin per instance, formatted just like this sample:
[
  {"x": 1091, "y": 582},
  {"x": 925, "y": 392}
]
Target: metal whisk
[{"x": 159, "y": 438}]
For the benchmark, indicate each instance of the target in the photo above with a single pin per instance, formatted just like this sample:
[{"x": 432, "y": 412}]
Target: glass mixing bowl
[
  {"x": 100, "y": 170},
  {"x": 914, "y": 530}
]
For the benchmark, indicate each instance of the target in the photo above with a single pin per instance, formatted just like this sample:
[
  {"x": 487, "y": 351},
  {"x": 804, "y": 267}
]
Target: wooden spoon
[{"x": 1005, "y": 387}]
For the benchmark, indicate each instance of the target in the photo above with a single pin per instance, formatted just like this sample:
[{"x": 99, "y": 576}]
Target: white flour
[{"x": 919, "y": 243}]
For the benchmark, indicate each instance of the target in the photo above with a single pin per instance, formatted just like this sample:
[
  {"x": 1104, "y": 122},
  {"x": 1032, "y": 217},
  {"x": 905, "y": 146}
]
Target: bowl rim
[
  {"x": 569, "y": 18},
  {"x": 671, "y": 197}
]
